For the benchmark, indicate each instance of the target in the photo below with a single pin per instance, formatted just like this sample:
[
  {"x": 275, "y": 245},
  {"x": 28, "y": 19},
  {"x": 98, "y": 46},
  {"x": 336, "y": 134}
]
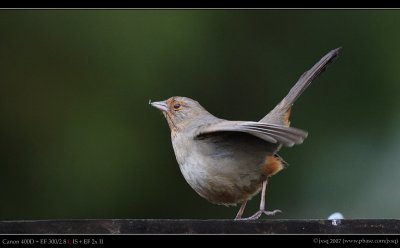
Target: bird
[{"x": 228, "y": 162}]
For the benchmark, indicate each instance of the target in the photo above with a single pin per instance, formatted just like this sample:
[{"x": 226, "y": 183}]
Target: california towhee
[{"x": 228, "y": 162}]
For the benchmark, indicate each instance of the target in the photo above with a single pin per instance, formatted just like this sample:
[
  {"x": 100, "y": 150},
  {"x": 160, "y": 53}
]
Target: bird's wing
[{"x": 287, "y": 136}]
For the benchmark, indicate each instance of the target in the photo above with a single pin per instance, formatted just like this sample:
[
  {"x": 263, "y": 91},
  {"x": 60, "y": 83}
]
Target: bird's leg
[
  {"x": 241, "y": 210},
  {"x": 262, "y": 205}
]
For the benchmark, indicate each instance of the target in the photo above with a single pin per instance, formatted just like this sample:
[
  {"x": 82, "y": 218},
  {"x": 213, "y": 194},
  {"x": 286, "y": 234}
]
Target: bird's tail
[{"x": 280, "y": 114}]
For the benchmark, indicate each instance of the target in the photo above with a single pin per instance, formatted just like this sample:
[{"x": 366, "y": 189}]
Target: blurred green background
[{"x": 79, "y": 140}]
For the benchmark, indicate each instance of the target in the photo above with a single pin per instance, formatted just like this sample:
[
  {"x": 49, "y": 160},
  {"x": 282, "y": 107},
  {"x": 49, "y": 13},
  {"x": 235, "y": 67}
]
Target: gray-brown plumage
[{"x": 228, "y": 162}]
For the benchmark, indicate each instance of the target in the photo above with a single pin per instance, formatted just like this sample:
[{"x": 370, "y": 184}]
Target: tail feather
[{"x": 277, "y": 115}]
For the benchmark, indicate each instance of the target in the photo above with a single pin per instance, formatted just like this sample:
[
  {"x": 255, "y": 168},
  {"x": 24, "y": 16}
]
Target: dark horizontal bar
[{"x": 166, "y": 226}]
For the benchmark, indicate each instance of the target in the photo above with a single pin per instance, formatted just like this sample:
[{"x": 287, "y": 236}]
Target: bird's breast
[{"x": 222, "y": 171}]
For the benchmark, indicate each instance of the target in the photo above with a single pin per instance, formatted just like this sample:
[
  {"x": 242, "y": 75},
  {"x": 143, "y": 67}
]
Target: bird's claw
[{"x": 260, "y": 212}]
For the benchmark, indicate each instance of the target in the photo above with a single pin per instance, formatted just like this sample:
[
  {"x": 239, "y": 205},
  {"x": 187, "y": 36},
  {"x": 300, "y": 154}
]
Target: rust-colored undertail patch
[{"x": 272, "y": 165}]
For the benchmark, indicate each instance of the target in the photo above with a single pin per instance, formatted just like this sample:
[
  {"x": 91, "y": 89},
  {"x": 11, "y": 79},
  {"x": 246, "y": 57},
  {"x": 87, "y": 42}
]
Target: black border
[{"x": 189, "y": 240}]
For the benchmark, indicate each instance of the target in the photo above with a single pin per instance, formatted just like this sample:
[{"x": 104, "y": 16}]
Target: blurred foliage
[{"x": 79, "y": 140}]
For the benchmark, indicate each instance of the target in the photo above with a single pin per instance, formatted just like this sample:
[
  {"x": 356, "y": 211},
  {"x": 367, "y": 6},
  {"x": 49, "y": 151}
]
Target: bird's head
[{"x": 179, "y": 111}]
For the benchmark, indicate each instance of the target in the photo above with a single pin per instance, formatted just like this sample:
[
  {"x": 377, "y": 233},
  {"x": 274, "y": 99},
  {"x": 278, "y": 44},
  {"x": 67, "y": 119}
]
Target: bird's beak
[{"x": 162, "y": 105}]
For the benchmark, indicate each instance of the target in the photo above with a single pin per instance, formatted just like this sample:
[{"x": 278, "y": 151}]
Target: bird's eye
[{"x": 177, "y": 106}]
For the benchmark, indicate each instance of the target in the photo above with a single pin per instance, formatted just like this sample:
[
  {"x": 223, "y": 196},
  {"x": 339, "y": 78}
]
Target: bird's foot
[{"x": 260, "y": 212}]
